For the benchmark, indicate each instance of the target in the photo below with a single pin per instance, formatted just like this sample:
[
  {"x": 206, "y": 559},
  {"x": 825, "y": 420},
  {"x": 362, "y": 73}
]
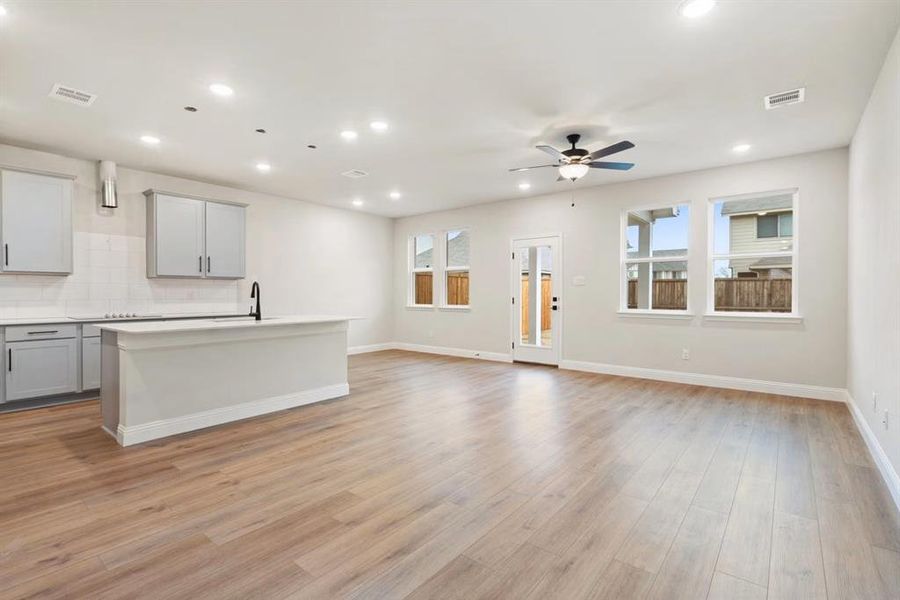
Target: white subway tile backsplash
[{"x": 109, "y": 275}]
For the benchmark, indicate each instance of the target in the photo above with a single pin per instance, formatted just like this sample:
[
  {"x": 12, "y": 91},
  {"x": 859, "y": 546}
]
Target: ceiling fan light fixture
[{"x": 573, "y": 171}]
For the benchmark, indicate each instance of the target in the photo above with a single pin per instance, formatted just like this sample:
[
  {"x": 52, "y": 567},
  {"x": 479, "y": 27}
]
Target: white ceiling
[{"x": 468, "y": 88}]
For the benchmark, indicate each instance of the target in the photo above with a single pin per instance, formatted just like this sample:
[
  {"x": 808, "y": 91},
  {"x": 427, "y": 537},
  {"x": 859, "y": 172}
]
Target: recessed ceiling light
[
  {"x": 349, "y": 135},
  {"x": 220, "y": 89},
  {"x": 264, "y": 167},
  {"x": 692, "y": 9},
  {"x": 150, "y": 139},
  {"x": 395, "y": 195},
  {"x": 741, "y": 148},
  {"x": 357, "y": 202},
  {"x": 378, "y": 126},
  {"x": 524, "y": 186}
]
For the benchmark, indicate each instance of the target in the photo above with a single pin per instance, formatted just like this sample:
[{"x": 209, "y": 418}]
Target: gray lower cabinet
[
  {"x": 90, "y": 363},
  {"x": 41, "y": 368}
]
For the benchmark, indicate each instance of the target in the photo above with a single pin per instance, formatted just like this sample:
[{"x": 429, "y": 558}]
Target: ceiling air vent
[
  {"x": 354, "y": 173},
  {"x": 70, "y": 94},
  {"x": 784, "y": 98}
]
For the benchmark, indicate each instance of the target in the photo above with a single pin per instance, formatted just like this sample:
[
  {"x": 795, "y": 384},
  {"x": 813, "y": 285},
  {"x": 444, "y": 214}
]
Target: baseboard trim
[
  {"x": 370, "y": 348},
  {"x": 718, "y": 381},
  {"x": 494, "y": 356},
  {"x": 153, "y": 430},
  {"x": 888, "y": 473}
]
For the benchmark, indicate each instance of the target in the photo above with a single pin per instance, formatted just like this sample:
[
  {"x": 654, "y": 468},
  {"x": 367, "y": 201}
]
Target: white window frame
[
  {"x": 412, "y": 269},
  {"x": 624, "y": 262},
  {"x": 712, "y": 257},
  {"x": 446, "y": 268}
]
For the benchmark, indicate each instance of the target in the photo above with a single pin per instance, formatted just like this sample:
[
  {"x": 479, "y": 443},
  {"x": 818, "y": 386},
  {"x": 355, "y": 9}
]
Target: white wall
[
  {"x": 874, "y": 259},
  {"x": 811, "y": 353},
  {"x": 308, "y": 258}
]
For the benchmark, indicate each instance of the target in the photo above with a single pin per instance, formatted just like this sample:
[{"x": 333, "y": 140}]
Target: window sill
[
  {"x": 419, "y": 306},
  {"x": 739, "y": 317},
  {"x": 657, "y": 314},
  {"x": 455, "y": 308}
]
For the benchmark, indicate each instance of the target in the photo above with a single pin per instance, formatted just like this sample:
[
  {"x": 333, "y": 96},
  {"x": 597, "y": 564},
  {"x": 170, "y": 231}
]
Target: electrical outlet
[
  {"x": 874, "y": 401},
  {"x": 685, "y": 354}
]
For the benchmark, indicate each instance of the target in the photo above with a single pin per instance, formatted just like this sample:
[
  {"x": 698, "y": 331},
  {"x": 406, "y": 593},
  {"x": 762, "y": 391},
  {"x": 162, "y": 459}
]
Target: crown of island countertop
[{"x": 219, "y": 323}]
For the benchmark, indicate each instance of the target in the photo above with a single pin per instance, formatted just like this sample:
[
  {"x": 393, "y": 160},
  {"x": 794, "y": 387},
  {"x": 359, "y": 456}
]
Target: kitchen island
[{"x": 163, "y": 378}]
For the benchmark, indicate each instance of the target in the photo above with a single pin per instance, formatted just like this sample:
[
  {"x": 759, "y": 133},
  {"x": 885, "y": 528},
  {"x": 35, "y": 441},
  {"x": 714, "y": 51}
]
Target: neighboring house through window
[
  {"x": 655, "y": 258},
  {"x": 753, "y": 253}
]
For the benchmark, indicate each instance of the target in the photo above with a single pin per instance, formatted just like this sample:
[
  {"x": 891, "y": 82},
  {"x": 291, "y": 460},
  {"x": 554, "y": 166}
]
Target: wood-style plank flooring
[{"x": 443, "y": 477}]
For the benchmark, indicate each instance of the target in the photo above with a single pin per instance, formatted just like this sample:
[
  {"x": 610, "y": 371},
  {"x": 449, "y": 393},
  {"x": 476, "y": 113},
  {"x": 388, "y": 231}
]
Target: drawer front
[
  {"x": 40, "y": 368},
  {"x": 22, "y": 333},
  {"x": 88, "y": 330}
]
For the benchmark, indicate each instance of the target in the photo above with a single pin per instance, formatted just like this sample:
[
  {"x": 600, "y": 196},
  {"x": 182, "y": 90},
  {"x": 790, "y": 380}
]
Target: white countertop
[
  {"x": 75, "y": 319},
  {"x": 216, "y": 324}
]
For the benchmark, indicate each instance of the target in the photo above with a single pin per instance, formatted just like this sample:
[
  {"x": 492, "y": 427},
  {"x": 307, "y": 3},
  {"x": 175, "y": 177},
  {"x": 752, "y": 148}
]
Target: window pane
[
  {"x": 458, "y": 288},
  {"x": 424, "y": 252},
  {"x": 766, "y": 226},
  {"x": 458, "y": 248},
  {"x": 786, "y": 224},
  {"x": 760, "y": 284},
  {"x": 669, "y": 285},
  {"x": 658, "y": 232},
  {"x": 535, "y": 298},
  {"x": 424, "y": 284},
  {"x": 751, "y": 225}
]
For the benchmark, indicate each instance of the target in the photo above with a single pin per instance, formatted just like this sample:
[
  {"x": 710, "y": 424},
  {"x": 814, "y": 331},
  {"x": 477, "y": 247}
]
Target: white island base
[{"x": 169, "y": 377}]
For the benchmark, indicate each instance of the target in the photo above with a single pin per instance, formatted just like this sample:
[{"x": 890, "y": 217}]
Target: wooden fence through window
[
  {"x": 546, "y": 289},
  {"x": 745, "y": 295},
  {"x": 457, "y": 288}
]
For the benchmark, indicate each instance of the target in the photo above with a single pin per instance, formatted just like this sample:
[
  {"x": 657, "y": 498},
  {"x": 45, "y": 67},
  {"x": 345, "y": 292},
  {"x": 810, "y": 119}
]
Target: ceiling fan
[{"x": 574, "y": 163}]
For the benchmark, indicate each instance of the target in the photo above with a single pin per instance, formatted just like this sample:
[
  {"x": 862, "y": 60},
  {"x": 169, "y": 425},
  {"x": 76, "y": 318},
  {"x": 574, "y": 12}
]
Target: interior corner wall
[
  {"x": 308, "y": 258},
  {"x": 810, "y": 353},
  {"x": 874, "y": 260}
]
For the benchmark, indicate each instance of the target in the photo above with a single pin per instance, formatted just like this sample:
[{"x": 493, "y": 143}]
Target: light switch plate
[{"x": 578, "y": 280}]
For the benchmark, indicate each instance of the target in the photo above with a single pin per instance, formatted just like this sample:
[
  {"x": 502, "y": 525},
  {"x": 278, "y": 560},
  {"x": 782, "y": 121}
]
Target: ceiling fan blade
[
  {"x": 535, "y": 167},
  {"x": 610, "y": 165},
  {"x": 553, "y": 152},
  {"x": 610, "y": 150}
]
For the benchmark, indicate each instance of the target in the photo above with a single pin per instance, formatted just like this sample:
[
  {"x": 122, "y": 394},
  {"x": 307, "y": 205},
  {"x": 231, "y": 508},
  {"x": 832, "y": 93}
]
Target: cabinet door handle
[
  {"x": 200, "y": 263},
  {"x": 6, "y": 254},
  {"x": 49, "y": 331},
  {"x": 9, "y": 360},
  {"x": 208, "y": 264}
]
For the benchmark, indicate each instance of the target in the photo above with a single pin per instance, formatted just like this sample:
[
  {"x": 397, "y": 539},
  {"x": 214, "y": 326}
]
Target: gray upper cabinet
[
  {"x": 36, "y": 222},
  {"x": 224, "y": 240},
  {"x": 194, "y": 237}
]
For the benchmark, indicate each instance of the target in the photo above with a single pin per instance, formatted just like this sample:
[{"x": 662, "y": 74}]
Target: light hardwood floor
[{"x": 451, "y": 478}]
